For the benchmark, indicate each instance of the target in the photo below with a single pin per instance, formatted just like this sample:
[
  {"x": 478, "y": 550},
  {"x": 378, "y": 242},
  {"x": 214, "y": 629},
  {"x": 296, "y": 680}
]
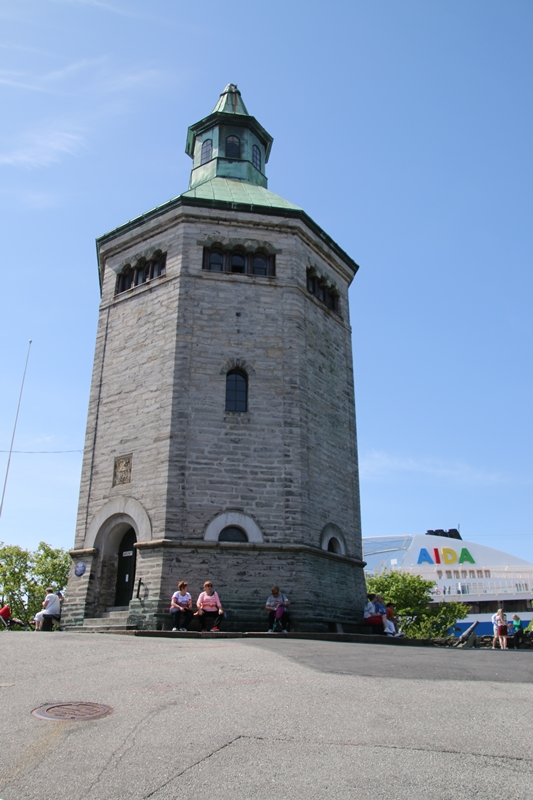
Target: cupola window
[
  {"x": 256, "y": 157},
  {"x": 233, "y": 147},
  {"x": 207, "y": 151}
]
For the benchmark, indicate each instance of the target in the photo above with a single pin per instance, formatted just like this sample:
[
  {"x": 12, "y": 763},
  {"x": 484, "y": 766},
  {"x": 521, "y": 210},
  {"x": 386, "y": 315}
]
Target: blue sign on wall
[{"x": 80, "y": 568}]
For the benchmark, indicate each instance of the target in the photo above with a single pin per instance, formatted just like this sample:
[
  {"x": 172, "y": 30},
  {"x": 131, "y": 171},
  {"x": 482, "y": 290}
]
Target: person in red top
[
  {"x": 209, "y": 608},
  {"x": 5, "y": 613}
]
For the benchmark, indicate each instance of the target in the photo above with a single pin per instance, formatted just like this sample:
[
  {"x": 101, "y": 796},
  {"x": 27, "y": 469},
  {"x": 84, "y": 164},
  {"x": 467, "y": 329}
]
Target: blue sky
[{"x": 403, "y": 128}]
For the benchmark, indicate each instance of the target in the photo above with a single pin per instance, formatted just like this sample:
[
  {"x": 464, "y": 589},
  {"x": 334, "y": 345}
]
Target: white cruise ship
[{"x": 481, "y": 577}]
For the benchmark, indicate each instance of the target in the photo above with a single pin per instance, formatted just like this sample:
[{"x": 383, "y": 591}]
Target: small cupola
[{"x": 229, "y": 143}]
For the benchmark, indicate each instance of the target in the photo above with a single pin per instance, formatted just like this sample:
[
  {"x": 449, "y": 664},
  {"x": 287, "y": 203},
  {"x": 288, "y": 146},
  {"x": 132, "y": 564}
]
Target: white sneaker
[
  {"x": 183, "y": 630},
  {"x": 271, "y": 630},
  {"x": 174, "y": 629}
]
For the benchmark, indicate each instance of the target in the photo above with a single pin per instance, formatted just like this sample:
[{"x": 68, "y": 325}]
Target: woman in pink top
[{"x": 209, "y": 607}]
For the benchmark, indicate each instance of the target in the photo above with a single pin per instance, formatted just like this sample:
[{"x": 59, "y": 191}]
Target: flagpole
[{"x": 15, "y": 427}]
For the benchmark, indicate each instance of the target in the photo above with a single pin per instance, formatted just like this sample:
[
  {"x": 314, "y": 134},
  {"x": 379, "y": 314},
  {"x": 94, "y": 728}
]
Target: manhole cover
[{"x": 69, "y": 711}]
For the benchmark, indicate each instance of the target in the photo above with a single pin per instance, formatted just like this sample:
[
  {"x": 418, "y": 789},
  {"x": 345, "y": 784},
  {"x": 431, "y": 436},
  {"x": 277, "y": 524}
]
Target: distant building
[
  {"x": 221, "y": 439},
  {"x": 481, "y": 577}
]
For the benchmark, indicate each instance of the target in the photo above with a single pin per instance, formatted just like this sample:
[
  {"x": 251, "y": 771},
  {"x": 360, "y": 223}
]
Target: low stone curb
[{"x": 321, "y": 637}]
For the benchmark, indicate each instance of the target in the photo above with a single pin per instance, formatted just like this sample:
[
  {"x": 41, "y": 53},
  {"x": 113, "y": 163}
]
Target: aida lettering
[{"x": 444, "y": 555}]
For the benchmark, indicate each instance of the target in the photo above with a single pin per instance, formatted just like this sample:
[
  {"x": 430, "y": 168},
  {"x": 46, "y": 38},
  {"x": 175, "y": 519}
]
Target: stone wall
[{"x": 244, "y": 574}]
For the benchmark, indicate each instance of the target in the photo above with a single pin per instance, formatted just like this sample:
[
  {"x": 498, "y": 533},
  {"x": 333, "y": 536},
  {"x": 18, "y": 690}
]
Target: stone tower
[{"x": 221, "y": 438}]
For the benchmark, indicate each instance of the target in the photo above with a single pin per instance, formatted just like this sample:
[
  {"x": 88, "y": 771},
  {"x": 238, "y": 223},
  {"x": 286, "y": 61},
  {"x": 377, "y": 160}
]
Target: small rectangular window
[
  {"x": 487, "y": 573},
  {"x": 449, "y": 574}
]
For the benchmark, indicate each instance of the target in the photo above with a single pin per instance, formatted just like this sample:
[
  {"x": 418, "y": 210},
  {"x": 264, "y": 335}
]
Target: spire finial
[{"x": 230, "y": 101}]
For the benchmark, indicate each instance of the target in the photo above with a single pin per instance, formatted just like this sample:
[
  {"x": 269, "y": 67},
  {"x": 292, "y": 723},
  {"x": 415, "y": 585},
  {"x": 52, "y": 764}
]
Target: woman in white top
[
  {"x": 51, "y": 610},
  {"x": 181, "y": 608}
]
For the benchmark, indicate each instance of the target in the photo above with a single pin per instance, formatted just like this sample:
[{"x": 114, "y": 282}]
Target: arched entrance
[{"x": 125, "y": 568}]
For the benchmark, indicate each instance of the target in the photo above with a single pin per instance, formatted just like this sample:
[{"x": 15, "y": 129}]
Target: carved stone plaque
[{"x": 122, "y": 470}]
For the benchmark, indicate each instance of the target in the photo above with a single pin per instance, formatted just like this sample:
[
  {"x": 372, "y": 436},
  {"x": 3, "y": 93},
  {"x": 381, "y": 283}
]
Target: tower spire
[
  {"x": 230, "y": 101},
  {"x": 229, "y": 143}
]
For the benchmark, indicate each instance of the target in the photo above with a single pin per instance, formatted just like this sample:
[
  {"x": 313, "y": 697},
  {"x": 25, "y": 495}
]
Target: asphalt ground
[{"x": 263, "y": 718}]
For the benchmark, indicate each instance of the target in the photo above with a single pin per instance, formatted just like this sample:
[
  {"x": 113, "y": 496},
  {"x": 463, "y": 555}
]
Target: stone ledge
[
  {"x": 193, "y": 544},
  {"x": 89, "y": 551}
]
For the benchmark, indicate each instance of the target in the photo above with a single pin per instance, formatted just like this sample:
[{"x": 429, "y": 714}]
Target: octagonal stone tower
[{"x": 221, "y": 438}]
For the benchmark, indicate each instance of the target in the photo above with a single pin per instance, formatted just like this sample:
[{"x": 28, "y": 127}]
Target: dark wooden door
[{"x": 126, "y": 569}]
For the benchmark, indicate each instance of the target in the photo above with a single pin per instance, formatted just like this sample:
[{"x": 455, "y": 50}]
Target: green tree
[
  {"x": 412, "y": 597},
  {"x": 16, "y": 583},
  {"x": 24, "y": 576},
  {"x": 51, "y": 566}
]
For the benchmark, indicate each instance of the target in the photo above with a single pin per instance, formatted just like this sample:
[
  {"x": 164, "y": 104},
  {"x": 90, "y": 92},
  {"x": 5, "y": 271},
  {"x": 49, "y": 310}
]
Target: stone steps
[
  {"x": 112, "y": 619},
  {"x": 122, "y": 629}
]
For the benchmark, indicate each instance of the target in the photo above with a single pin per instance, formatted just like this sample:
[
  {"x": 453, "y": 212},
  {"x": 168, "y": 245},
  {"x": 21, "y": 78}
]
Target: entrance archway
[{"x": 125, "y": 569}]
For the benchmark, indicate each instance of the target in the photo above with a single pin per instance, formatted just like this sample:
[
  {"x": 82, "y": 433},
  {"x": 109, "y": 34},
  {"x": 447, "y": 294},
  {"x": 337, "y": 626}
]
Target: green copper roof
[
  {"x": 238, "y": 192},
  {"x": 230, "y": 101}
]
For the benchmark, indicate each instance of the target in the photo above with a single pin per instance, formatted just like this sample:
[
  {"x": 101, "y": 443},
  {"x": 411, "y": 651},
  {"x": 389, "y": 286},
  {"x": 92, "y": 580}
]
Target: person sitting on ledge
[
  {"x": 372, "y": 614},
  {"x": 51, "y": 611},
  {"x": 5, "y": 613},
  {"x": 277, "y": 606},
  {"x": 390, "y": 623},
  {"x": 369, "y": 610},
  {"x": 181, "y": 608},
  {"x": 209, "y": 608}
]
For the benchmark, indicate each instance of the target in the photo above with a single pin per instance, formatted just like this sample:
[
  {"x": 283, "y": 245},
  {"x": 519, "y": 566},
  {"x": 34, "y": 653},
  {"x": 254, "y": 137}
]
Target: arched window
[
  {"x": 207, "y": 151},
  {"x": 256, "y": 157},
  {"x": 125, "y": 279},
  {"x": 220, "y": 258},
  {"x": 334, "y": 546},
  {"x": 238, "y": 262},
  {"x": 232, "y": 534},
  {"x": 233, "y": 147},
  {"x": 332, "y": 540},
  {"x": 142, "y": 273},
  {"x": 158, "y": 265},
  {"x": 216, "y": 261},
  {"x": 236, "y": 391},
  {"x": 260, "y": 264}
]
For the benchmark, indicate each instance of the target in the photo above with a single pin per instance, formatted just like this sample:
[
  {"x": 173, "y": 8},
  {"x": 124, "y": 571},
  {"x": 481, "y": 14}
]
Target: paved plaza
[{"x": 263, "y": 718}]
